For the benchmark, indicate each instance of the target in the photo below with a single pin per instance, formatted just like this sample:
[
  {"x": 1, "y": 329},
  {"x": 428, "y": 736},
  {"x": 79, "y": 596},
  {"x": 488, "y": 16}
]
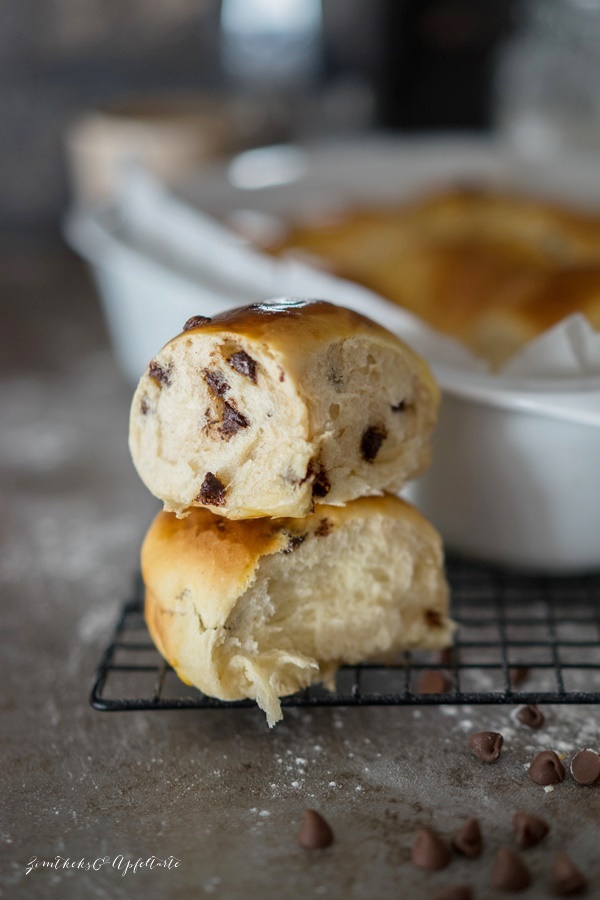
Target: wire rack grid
[{"x": 520, "y": 639}]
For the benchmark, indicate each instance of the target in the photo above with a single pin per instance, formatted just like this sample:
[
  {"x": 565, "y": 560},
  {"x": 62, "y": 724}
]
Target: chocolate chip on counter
[
  {"x": 517, "y": 676},
  {"x": 530, "y": 715},
  {"x": 456, "y": 892},
  {"x": 233, "y": 420},
  {"x": 212, "y": 491},
  {"x": 529, "y": 830},
  {"x": 243, "y": 364},
  {"x": 486, "y": 745},
  {"x": 216, "y": 382},
  {"x": 158, "y": 373},
  {"x": 429, "y": 851},
  {"x": 585, "y": 767},
  {"x": 566, "y": 877},
  {"x": 399, "y": 407},
  {"x": 315, "y": 833},
  {"x": 371, "y": 441},
  {"x": 546, "y": 768},
  {"x": 294, "y": 542},
  {"x": 509, "y": 872},
  {"x": 194, "y": 321},
  {"x": 469, "y": 841},
  {"x": 325, "y": 528},
  {"x": 434, "y": 681}
]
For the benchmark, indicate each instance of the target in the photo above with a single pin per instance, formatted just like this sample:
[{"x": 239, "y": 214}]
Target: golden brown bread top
[
  {"x": 465, "y": 259},
  {"x": 293, "y": 326},
  {"x": 222, "y": 554}
]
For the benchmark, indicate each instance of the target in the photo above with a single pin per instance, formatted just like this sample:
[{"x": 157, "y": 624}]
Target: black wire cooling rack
[{"x": 520, "y": 639}]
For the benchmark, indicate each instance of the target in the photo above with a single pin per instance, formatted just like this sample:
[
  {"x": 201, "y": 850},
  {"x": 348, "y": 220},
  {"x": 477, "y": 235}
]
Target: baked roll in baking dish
[
  {"x": 264, "y": 607},
  {"x": 272, "y": 408}
]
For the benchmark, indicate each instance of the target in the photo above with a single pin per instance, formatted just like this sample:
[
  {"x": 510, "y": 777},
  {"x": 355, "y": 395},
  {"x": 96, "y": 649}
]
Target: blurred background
[{"x": 296, "y": 69}]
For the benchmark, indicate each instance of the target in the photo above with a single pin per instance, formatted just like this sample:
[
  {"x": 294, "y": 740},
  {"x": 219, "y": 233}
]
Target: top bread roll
[{"x": 268, "y": 409}]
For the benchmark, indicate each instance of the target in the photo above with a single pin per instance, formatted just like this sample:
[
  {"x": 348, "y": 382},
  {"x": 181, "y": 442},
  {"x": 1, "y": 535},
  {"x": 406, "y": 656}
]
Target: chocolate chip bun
[
  {"x": 268, "y": 409},
  {"x": 264, "y": 607}
]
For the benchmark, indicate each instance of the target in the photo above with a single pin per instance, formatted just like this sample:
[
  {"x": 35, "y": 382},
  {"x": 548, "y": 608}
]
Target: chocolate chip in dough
[
  {"x": 434, "y": 618},
  {"x": 529, "y": 830},
  {"x": 320, "y": 485},
  {"x": 469, "y": 841},
  {"x": 158, "y": 373},
  {"x": 194, "y": 321},
  {"x": 585, "y": 767},
  {"x": 325, "y": 528},
  {"x": 486, "y": 745},
  {"x": 456, "y": 892},
  {"x": 244, "y": 364},
  {"x": 530, "y": 715},
  {"x": 216, "y": 382},
  {"x": 399, "y": 407},
  {"x": 509, "y": 872},
  {"x": 434, "y": 681},
  {"x": 566, "y": 877},
  {"x": 547, "y": 768},
  {"x": 233, "y": 420},
  {"x": 212, "y": 491},
  {"x": 429, "y": 851},
  {"x": 294, "y": 542},
  {"x": 145, "y": 406},
  {"x": 315, "y": 833},
  {"x": 371, "y": 441}
]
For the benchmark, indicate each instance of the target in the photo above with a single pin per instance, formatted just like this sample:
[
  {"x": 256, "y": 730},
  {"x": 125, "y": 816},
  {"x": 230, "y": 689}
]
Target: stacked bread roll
[{"x": 276, "y": 437}]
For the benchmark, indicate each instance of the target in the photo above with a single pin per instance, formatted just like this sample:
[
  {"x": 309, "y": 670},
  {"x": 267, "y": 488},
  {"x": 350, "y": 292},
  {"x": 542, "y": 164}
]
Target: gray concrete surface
[{"x": 216, "y": 790}]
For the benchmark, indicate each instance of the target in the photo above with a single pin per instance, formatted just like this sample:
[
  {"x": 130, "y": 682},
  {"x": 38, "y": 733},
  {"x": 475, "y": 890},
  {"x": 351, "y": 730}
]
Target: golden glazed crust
[{"x": 260, "y": 608}]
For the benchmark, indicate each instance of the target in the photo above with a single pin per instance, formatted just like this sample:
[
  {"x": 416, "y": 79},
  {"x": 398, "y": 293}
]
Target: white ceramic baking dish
[{"x": 516, "y": 472}]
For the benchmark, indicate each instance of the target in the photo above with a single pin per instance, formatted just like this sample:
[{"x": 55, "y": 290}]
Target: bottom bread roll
[{"x": 261, "y": 608}]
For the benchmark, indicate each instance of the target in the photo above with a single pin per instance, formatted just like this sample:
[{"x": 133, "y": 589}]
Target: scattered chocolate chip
[
  {"x": 434, "y": 681},
  {"x": 546, "y": 768},
  {"x": 243, "y": 364},
  {"x": 158, "y": 373},
  {"x": 371, "y": 441},
  {"x": 294, "y": 542},
  {"x": 517, "y": 676},
  {"x": 325, "y": 528},
  {"x": 429, "y": 851},
  {"x": 320, "y": 485},
  {"x": 233, "y": 420},
  {"x": 434, "y": 618},
  {"x": 468, "y": 841},
  {"x": 194, "y": 321},
  {"x": 530, "y": 715},
  {"x": 216, "y": 382},
  {"x": 315, "y": 833},
  {"x": 529, "y": 830},
  {"x": 399, "y": 407},
  {"x": 212, "y": 491},
  {"x": 145, "y": 407},
  {"x": 456, "y": 892},
  {"x": 585, "y": 767},
  {"x": 486, "y": 745},
  {"x": 510, "y": 872},
  {"x": 566, "y": 877}
]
